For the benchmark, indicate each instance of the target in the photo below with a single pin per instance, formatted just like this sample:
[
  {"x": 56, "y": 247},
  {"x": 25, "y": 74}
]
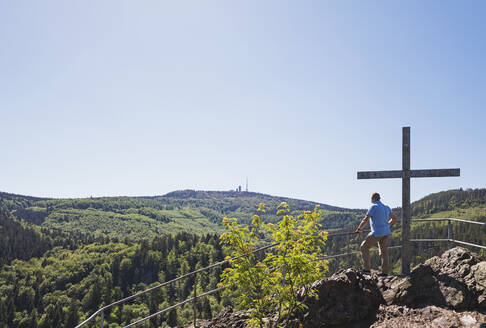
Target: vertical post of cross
[{"x": 406, "y": 210}]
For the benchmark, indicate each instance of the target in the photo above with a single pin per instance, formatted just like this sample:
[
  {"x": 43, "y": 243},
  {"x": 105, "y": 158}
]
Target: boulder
[
  {"x": 478, "y": 279},
  {"x": 348, "y": 298},
  {"x": 395, "y": 316}
]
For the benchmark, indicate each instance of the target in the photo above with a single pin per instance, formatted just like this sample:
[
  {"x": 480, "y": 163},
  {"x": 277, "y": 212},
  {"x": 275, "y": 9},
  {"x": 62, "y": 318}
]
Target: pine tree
[
  {"x": 206, "y": 309},
  {"x": 172, "y": 319},
  {"x": 72, "y": 317}
]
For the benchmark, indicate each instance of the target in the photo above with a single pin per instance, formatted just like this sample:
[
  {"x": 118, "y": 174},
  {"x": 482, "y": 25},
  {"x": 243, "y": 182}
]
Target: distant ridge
[
  {"x": 191, "y": 193},
  {"x": 205, "y": 194},
  {"x": 6, "y": 195},
  {"x": 182, "y": 194},
  {"x": 435, "y": 202}
]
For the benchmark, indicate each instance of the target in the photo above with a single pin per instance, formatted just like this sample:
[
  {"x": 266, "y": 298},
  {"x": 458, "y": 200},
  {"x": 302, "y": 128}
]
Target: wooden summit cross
[{"x": 405, "y": 174}]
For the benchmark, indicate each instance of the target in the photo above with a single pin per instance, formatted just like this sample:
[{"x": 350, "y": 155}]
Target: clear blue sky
[{"x": 102, "y": 98}]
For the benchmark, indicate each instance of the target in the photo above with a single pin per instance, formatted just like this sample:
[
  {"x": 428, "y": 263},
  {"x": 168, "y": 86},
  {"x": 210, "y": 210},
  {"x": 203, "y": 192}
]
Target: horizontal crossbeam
[
  {"x": 433, "y": 173},
  {"x": 380, "y": 174}
]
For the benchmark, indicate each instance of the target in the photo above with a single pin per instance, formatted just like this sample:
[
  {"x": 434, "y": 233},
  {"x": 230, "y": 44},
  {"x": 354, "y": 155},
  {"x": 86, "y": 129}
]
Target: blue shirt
[{"x": 379, "y": 214}]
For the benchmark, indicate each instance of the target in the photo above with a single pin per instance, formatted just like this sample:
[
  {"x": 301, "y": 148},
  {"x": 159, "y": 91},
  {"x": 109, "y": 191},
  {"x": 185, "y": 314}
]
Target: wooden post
[
  {"x": 102, "y": 318},
  {"x": 406, "y": 201},
  {"x": 449, "y": 233}
]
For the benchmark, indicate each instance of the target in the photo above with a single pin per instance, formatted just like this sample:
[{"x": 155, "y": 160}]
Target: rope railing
[
  {"x": 352, "y": 253},
  {"x": 192, "y": 299},
  {"x": 450, "y": 219},
  {"x": 449, "y": 238}
]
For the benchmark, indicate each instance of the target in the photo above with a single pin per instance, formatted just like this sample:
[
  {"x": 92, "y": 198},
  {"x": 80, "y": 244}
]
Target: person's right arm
[
  {"x": 365, "y": 220},
  {"x": 362, "y": 224}
]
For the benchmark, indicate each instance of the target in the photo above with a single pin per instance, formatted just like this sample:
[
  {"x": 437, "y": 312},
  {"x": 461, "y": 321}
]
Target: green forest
[{"x": 63, "y": 259}]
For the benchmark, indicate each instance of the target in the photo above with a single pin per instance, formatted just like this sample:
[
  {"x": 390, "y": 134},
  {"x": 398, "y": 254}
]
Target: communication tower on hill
[{"x": 246, "y": 184}]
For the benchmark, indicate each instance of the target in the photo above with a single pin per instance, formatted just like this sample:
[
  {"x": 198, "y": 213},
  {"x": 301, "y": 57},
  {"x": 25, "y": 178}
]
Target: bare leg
[
  {"x": 383, "y": 245},
  {"x": 369, "y": 242}
]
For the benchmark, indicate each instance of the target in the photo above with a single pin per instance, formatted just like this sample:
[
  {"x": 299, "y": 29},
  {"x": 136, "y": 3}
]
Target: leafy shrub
[{"x": 268, "y": 284}]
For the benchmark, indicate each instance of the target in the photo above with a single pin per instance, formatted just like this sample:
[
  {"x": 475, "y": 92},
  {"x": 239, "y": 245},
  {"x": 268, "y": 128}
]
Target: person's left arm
[{"x": 392, "y": 220}]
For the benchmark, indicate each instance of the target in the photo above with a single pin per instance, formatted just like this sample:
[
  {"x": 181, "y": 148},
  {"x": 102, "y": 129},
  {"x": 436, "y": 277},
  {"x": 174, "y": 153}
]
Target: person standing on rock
[{"x": 381, "y": 219}]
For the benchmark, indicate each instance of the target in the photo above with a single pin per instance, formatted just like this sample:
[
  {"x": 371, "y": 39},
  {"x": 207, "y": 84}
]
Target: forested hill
[
  {"x": 199, "y": 212},
  {"x": 10, "y": 201},
  {"x": 136, "y": 218},
  {"x": 449, "y": 200},
  {"x": 220, "y": 200}
]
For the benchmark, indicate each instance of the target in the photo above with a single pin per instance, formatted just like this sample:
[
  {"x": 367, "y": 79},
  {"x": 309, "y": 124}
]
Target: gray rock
[
  {"x": 225, "y": 319},
  {"x": 454, "y": 280},
  {"x": 347, "y": 297},
  {"x": 478, "y": 274},
  {"x": 394, "y": 316}
]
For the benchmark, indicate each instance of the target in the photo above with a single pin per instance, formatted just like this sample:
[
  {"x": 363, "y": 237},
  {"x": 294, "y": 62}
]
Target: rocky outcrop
[
  {"x": 347, "y": 297},
  {"x": 447, "y": 291},
  {"x": 455, "y": 280}
]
